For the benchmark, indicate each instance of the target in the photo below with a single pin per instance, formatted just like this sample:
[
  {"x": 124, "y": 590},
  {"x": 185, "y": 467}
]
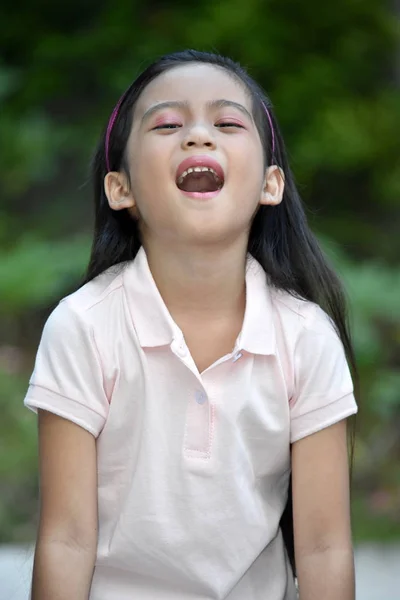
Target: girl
[{"x": 202, "y": 362}]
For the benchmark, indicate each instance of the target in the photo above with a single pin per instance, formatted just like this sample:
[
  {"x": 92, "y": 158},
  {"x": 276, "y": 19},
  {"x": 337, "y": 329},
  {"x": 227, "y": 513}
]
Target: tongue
[{"x": 199, "y": 182}]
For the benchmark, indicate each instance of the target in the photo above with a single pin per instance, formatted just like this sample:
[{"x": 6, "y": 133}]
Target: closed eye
[
  {"x": 167, "y": 126},
  {"x": 223, "y": 125}
]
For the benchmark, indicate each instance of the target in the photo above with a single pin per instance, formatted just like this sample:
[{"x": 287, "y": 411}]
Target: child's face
[{"x": 194, "y": 125}]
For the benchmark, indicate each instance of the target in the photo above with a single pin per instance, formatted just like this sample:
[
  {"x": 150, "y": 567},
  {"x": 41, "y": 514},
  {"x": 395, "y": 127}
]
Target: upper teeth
[{"x": 196, "y": 170}]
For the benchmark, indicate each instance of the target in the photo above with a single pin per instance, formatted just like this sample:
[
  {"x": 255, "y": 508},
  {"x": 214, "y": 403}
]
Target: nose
[{"x": 199, "y": 135}]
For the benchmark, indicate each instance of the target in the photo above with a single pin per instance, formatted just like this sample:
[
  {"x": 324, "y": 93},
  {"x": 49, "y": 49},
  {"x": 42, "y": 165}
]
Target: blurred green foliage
[{"x": 331, "y": 70}]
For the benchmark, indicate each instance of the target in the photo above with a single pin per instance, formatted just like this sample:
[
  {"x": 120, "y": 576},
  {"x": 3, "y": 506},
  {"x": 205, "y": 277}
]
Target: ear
[
  {"x": 274, "y": 185},
  {"x": 116, "y": 187}
]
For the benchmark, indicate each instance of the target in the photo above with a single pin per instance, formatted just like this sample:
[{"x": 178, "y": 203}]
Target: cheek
[
  {"x": 249, "y": 167},
  {"x": 149, "y": 168},
  {"x": 149, "y": 178}
]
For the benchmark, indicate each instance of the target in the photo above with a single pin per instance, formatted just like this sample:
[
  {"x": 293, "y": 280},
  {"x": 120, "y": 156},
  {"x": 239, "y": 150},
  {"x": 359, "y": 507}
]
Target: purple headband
[
  {"x": 271, "y": 127},
  {"x": 110, "y": 126},
  {"x": 114, "y": 116}
]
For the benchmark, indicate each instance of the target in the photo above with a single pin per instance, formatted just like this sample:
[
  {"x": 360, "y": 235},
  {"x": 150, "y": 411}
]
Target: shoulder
[
  {"x": 296, "y": 316},
  {"x": 311, "y": 340},
  {"x": 304, "y": 334},
  {"x": 98, "y": 291},
  {"x": 87, "y": 319},
  {"x": 92, "y": 302}
]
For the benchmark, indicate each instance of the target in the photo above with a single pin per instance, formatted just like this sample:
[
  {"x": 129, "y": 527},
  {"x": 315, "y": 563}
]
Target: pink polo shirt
[{"x": 193, "y": 467}]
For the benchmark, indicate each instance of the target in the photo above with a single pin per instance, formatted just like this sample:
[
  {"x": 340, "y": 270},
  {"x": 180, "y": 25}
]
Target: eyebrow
[{"x": 183, "y": 105}]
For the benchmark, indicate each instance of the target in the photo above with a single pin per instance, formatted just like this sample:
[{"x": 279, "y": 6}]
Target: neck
[{"x": 200, "y": 282}]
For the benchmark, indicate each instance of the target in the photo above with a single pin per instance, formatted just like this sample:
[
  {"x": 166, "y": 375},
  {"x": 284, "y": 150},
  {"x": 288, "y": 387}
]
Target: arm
[
  {"x": 67, "y": 538},
  {"x": 321, "y": 514}
]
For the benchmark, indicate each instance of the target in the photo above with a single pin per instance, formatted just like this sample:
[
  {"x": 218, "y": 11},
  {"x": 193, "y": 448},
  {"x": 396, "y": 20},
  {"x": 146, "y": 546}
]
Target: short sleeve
[
  {"x": 323, "y": 385},
  {"x": 67, "y": 379}
]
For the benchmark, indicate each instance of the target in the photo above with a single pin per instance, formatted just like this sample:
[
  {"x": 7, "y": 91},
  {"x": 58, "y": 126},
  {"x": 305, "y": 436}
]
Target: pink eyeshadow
[{"x": 162, "y": 120}]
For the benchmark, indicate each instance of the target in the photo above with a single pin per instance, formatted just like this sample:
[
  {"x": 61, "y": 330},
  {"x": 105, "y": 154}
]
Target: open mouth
[
  {"x": 199, "y": 179},
  {"x": 200, "y": 176}
]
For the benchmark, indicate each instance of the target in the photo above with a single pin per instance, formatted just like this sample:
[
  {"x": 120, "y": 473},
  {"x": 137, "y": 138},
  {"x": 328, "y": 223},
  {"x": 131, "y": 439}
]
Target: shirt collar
[
  {"x": 258, "y": 331},
  {"x": 151, "y": 318},
  {"x": 155, "y": 326}
]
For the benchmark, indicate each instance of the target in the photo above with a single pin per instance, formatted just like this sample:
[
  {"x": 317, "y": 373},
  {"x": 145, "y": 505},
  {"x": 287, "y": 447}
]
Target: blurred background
[{"x": 332, "y": 70}]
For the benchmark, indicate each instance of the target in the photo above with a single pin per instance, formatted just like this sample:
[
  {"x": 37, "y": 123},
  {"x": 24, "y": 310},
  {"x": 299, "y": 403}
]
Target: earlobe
[
  {"x": 270, "y": 199},
  {"x": 117, "y": 191}
]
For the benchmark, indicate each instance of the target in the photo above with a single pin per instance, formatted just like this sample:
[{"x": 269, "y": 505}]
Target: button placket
[{"x": 199, "y": 425}]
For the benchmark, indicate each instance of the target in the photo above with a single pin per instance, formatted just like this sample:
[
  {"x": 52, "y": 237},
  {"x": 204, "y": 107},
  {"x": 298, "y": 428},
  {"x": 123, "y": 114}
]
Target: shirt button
[{"x": 200, "y": 397}]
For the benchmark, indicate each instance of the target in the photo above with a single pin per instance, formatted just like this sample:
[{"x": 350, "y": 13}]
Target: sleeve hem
[
  {"x": 42, "y": 398},
  {"x": 321, "y": 402},
  {"x": 323, "y": 417}
]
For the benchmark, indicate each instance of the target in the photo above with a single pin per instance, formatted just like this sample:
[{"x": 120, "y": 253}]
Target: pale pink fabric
[{"x": 193, "y": 468}]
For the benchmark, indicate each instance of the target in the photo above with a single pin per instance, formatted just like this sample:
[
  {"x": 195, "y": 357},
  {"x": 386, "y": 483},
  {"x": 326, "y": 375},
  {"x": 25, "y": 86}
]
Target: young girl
[{"x": 200, "y": 367}]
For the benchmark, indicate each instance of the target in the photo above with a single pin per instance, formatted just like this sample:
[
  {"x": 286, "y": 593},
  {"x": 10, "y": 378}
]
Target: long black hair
[{"x": 280, "y": 238}]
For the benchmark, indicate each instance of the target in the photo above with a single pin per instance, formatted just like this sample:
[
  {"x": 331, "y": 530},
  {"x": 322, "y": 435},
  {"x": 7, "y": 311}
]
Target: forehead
[{"x": 194, "y": 83}]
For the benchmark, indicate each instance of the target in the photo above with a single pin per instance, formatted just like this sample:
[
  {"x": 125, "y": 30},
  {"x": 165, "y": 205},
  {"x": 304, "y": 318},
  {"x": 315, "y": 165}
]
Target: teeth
[{"x": 197, "y": 170}]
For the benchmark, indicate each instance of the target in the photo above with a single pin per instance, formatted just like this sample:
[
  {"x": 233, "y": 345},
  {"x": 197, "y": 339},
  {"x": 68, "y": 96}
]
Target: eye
[
  {"x": 167, "y": 126},
  {"x": 229, "y": 124}
]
